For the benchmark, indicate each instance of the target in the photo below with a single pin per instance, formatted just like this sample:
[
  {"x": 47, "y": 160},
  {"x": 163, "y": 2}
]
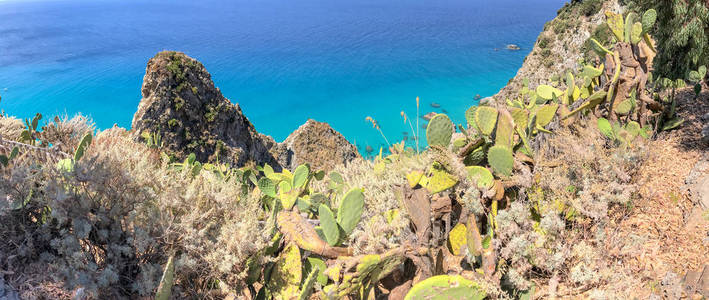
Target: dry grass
[{"x": 671, "y": 231}]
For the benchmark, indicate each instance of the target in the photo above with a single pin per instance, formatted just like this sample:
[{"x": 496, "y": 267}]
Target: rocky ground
[
  {"x": 670, "y": 218},
  {"x": 658, "y": 248}
]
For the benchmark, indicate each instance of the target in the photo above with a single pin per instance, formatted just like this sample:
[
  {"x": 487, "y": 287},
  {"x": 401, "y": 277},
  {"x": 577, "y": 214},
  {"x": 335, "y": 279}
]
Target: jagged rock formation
[
  {"x": 182, "y": 106},
  {"x": 319, "y": 145},
  {"x": 559, "y": 46}
]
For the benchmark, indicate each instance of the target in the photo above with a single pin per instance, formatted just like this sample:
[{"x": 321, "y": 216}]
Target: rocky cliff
[
  {"x": 183, "y": 112},
  {"x": 561, "y": 46}
]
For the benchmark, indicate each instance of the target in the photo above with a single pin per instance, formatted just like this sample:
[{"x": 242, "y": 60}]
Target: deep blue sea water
[{"x": 283, "y": 61}]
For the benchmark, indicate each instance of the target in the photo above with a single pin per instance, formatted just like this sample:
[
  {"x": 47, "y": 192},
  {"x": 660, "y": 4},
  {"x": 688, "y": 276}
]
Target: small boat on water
[
  {"x": 477, "y": 97},
  {"x": 435, "y": 105}
]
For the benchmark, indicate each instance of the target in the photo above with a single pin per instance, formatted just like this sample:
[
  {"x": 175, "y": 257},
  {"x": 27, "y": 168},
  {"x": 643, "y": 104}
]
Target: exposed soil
[{"x": 666, "y": 231}]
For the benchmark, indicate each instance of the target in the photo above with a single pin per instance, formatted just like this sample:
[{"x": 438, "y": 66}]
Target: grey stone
[
  {"x": 705, "y": 134},
  {"x": 697, "y": 182}
]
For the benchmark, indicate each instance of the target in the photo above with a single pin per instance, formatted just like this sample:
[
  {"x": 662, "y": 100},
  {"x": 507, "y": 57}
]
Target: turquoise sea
[{"x": 283, "y": 61}]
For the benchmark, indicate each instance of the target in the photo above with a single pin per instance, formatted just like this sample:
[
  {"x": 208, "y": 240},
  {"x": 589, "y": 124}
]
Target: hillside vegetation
[{"x": 568, "y": 189}]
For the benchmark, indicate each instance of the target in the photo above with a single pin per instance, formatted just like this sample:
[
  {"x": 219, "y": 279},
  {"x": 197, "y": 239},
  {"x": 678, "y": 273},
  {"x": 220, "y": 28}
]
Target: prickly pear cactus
[
  {"x": 615, "y": 23},
  {"x": 504, "y": 134},
  {"x": 300, "y": 176},
  {"x": 287, "y": 194},
  {"x": 350, "y": 211},
  {"x": 481, "y": 176},
  {"x": 267, "y": 187},
  {"x": 307, "y": 287},
  {"x": 352, "y": 274},
  {"x": 485, "y": 119},
  {"x": 636, "y": 33},
  {"x": 470, "y": 115},
  {"x": 624, "y": 107},
  {"x": 414, "y": 178},
  {"x": 629, "y": 21},
  {"x": 648, "y": 20},
  {"x": 633, "y": 128},
  {"x": 475, "y": 157},
  {"x": 439, "y": 131},
  {"x": 85, "y": 142},
  {"x": 440, "y": 181},
  {"x": 328, "y": 225},
  {"x": 501, "y": 160},
  {"x": 548, "y": 92},
  {"x": 546, "y": 114},
  {"x": 604, "y": 126},
  {"x": 444, "y": 287},
  {"x": 520, "y": 116},
  {"x": 287, "y": 273},
  {"x": 456, "y": 240}
]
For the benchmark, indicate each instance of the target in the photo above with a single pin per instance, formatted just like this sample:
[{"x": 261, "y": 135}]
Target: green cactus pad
[
  {"x": 167, "y": 280},
  {"x": 444, "y": 287},
  {"x": 546, "y": 114},
  {"x": 628, "y": 31},
  {"x": 570, "y": 87},
  {"x": 481, "y": 176},
  {"x": 287, "y": 194},
  {"x": 456, "y": 240},
  {"x": 440, "y": 181},
  {"x": 604, "y": 126},
  {"x": 470, "y": 116},
  {"x": 636, "y": 34},
  {"x": 85, "y": 142},
  {"x": 694, "y": 76},
  {"x": 439, "y": 131},
  {"x": 307, "y": 288},
  {"x": 702, "y": 72},
  {"x": 300, "y": 176},
  {"x": 504, "y": 134},
  {"x": 313, "y": 263},
  {"x": 591, "y": 72},
  {"x": 501, "y": 160},
  {"x": 615, "y": 23},
  {"x": 633, "y": 128},
  {"x": 485, "y": 119},
  {"x": 648, "y": 21},
  {"x": 287, "y": 273},
  {"x": 475, "y": 157},
  {"x": 548, "y": 92},
  {"x": 329, "y": 226},
  {"x": 673, "y": 123},
  {"x": 350, "y": 211},
  {"x": 624, "y": 107},
  {"x": 267, "y": 187},
  {"x": 520, "y": 116}
]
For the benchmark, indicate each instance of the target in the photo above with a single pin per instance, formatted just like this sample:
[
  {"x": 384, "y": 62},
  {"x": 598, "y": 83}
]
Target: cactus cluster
[{"x": 294, "y": 207}]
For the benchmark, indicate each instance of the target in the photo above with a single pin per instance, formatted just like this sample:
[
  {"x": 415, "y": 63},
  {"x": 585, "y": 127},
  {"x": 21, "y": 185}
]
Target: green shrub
[
  {"x": 590, "y": 7},
  {"x": 544, "y": 42},
  {"x": 681, "y": 33}
]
